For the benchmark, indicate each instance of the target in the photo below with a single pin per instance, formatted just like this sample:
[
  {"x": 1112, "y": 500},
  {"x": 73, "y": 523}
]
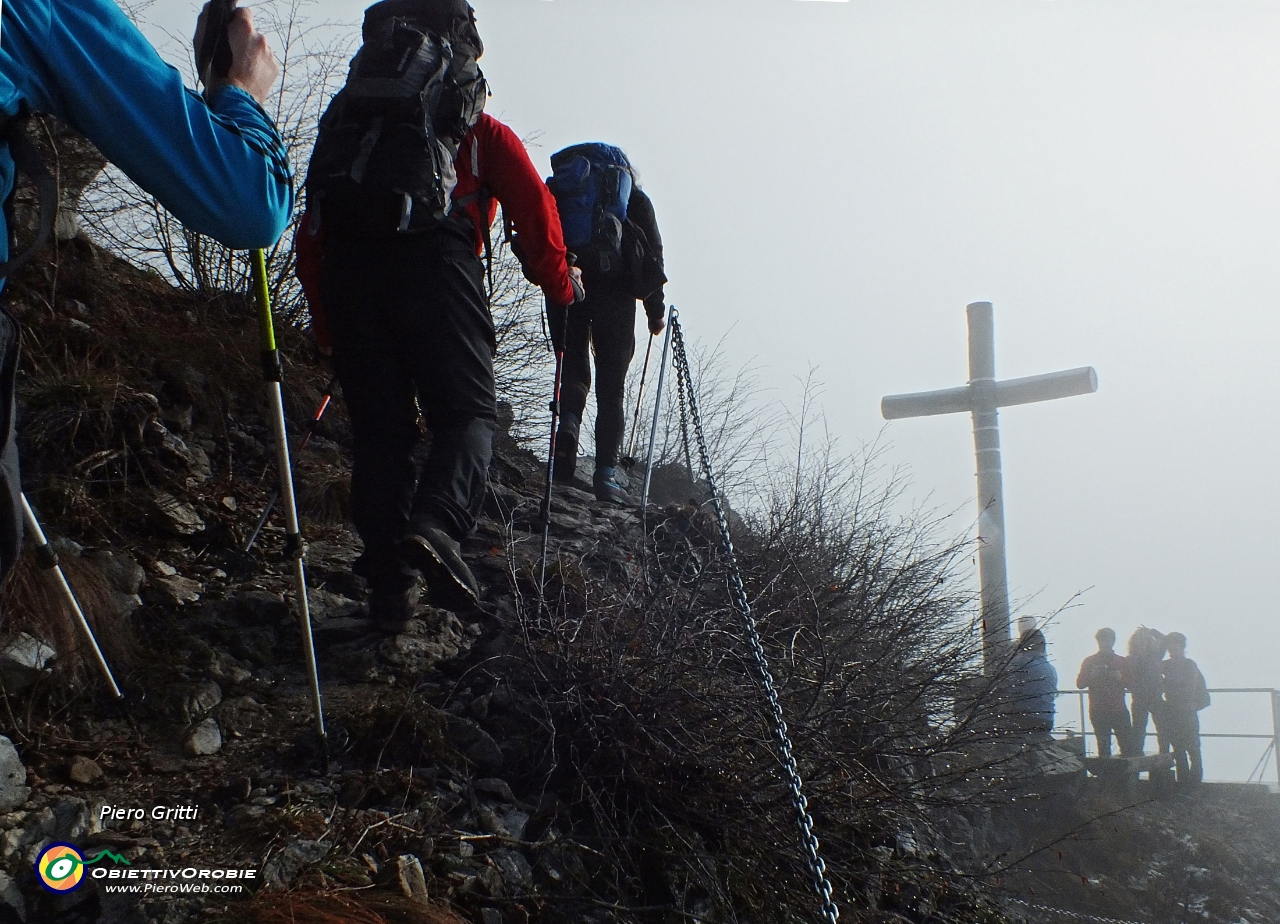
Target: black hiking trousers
[
  {"x": 410, "y": 320},
  {"x": 605, "y": 321},
  {"x": 1108, "y": 722},
  {"x": 1184, "y": 737}
]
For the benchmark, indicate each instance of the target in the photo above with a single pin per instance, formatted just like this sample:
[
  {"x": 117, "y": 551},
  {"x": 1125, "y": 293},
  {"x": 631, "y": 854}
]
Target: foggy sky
[{"x": 835, "y": 181}]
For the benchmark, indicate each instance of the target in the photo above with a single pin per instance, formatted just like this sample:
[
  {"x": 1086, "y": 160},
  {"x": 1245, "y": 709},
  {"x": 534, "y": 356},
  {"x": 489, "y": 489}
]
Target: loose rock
[
  {"x": 24, "y": 659},
  {"x": 175, "y": 517},
  {"x": 437, "y": 636},
  {"x": 193, "y": 701},
  {"x": 12, "y": 906},
  {"x": 285, "y": 866},
  {"x": 411, "y": 879},
  {"x": 173, "y": 590},
  {"x": 204, "y": 739},
  {"x": 84, "y": 770},
  {"x": 495, "y": 787},
  {"x": 517, "y": 874},
  {"x": 13, "y": 777}
]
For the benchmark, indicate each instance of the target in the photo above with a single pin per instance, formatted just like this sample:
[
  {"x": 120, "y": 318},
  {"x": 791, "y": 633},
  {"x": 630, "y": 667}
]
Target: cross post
[{"x": 982, "y": 398}]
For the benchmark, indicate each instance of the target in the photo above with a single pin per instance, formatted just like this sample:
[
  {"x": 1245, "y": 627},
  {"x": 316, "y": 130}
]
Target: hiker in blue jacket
[
  {"x": 610, "y": 225},
  {"x": 219, "y": 166}
]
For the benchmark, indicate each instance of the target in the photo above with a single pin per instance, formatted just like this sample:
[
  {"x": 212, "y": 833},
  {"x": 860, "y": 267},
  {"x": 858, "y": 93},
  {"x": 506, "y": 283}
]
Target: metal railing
[{"x": 1272, "y": 737}]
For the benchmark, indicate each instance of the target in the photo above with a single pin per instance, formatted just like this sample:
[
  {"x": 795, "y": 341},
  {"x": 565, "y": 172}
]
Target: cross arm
[
  {"x": 1047, "y": 387},
  {"x": 925, "y": 403},
  {"x": 1026, "y": 390}
]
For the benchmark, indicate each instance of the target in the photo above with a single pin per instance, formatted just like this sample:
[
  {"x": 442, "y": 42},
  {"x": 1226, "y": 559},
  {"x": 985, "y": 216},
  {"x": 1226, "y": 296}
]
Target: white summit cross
[{"x": 981, "y": 397}]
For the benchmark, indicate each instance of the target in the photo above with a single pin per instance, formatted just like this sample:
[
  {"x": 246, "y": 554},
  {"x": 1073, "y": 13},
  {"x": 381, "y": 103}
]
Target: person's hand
[
  {"x": 324, "y": 357},
  {"x": 254, "y": 68},
  {"x": 575, "y": 280},
  {"x": 656, "y": 325}
]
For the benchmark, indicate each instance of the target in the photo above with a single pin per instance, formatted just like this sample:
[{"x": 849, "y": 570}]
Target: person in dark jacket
[
  {"x": 217, "y": 163},
  {"x": 1105, "y": 675},
  {"x": 604, "y": 323},
  {"x": 1185, "y": 694},
  {"x": 1034, "y": 685},
  {"x": 406, "y": 319},
  {"x": 1146, "y": 649}
]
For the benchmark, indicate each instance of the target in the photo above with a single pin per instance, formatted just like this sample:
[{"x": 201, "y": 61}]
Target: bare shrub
[{"x": 662, "y": 742}]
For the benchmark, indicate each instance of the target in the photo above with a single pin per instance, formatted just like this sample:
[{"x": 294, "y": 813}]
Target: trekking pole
[
  {"x": 293, "y": 547},
  {"x": 657, "y": 409},
  {"x": 48, "y": 560},
  {"x": 306, "y": 438},
  {"x": 213, "y": 60},
  {"x": 551, "y": 471},
  {"x": 629, "y": 458},
  {"x": 213, "y": 57}
]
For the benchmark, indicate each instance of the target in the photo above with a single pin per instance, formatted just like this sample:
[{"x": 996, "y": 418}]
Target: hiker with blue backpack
[
  {"x": 610, "y": 226},
  {"x": 217, "y": 163},
  {"x": 402, "y": 190}
]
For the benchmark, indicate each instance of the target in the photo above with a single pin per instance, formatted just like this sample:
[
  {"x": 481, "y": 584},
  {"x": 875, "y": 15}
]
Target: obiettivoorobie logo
[{"x": 60, "y": 867}]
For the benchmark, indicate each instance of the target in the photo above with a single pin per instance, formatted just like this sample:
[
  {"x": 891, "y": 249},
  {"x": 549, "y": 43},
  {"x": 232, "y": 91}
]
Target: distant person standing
[
  {"x": 1035, "y": 685},
  {"x": 1185, "y": 694},
  {"x": 1105, "y": 675},
  {"x": 1146, "y": 649}
]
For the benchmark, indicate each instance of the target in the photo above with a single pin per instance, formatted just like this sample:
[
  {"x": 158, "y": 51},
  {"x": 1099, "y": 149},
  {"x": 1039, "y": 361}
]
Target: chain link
[
  {"x": 684, "y": 414},
  {"x": 1079, "y": 916},
  {"x": 781, "y": 737}
]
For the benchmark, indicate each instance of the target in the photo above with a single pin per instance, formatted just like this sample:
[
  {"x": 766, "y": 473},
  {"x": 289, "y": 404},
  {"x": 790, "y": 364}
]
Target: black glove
[
  {"x": 656, "y": 309},
  {"x": 557, "y": 322}
]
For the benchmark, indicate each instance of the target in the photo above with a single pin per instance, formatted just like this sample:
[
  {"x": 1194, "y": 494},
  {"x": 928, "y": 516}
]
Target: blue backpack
[{"x": 592, "y": 183}]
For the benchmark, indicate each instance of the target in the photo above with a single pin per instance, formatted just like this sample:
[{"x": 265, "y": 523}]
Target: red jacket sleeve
[
  {"x": 514, "y": 181},
  {"x": 308, "y": 248}
]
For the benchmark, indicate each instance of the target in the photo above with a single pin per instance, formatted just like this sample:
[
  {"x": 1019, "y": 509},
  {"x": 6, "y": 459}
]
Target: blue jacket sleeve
[{"x": 220, "y": 168}]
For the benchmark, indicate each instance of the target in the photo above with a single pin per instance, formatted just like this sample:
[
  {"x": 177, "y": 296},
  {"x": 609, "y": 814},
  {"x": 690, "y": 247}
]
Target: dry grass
[
  {"x": 323, "y": 486},
  {"x": 33, "y": 603},
  {"x": 401, "y": 729}
]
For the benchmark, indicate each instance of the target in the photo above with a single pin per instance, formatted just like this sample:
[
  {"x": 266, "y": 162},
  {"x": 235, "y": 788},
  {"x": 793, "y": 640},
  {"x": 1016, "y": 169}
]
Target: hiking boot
[
  {"x": 566, "y": 450},
  {"x": 392, "y": 610},
  {"x": 438, "y": 558},
  {"x": 609, "y": 490}
]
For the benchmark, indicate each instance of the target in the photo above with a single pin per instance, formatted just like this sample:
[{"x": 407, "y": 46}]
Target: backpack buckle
[{"x": 406, "y": 212}]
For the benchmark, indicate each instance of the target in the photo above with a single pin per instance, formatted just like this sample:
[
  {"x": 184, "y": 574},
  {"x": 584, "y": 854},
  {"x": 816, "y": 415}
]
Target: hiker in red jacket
[
  {"x": 1105, "y": 675},
  {"x": 399, "y": 206}
]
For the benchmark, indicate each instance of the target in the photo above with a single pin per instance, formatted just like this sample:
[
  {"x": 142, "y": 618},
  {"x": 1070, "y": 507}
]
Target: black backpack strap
[{"x": 28, "y": 161}]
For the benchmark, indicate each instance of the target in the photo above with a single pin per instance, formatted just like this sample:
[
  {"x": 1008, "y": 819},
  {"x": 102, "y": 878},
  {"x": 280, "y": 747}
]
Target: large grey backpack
[{"x": 383, "y": 160}]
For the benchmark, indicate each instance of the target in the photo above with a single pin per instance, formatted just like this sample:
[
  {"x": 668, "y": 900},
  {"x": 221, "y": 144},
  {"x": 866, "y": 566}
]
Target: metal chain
[
  {"x": 1079, "y": 916},
  {"x": 781, "y": 738},
  {"x": 684, "y": 414}
]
